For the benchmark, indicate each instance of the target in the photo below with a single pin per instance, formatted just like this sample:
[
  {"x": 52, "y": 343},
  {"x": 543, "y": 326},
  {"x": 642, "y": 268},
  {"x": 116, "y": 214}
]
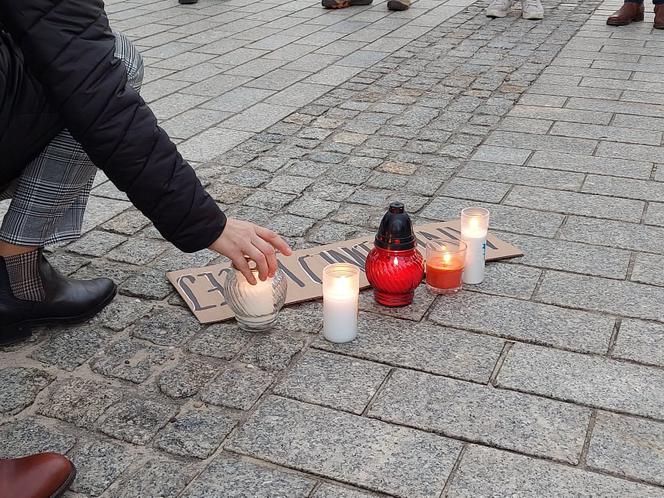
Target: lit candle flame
[{"x": 447, "y": 258}]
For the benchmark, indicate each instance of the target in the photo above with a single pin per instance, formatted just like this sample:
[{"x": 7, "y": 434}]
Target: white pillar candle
[
  {"x": 474, "y": 228},
  {"x": 259, "y": 298},
  {"x": 341, "y": 290}
]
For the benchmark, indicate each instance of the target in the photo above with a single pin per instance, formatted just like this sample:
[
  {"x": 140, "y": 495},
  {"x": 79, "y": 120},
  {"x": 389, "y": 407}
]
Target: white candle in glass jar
[
  {"x": 341, "y": 290},
  {"x": 474, "y": 228},
  {"x": 258, "y": 299}
]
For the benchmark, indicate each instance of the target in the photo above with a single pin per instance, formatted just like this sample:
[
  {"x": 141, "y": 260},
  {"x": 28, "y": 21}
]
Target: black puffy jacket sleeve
[{"x": 69, "y": 47}]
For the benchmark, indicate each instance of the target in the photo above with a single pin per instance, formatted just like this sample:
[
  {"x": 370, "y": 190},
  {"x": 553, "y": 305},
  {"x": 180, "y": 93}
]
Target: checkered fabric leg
[
  {"x": 24, "y": 276},
  {"x": 49, "y": 198}
]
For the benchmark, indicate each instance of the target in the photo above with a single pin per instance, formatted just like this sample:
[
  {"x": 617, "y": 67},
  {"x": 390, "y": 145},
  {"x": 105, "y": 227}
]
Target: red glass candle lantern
[{"x": 394, "y": 266}]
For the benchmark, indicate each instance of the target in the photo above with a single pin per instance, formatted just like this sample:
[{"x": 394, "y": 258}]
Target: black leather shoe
[
  {"x": 187, "y": 2},
  {"x": 67, "y": 301}
]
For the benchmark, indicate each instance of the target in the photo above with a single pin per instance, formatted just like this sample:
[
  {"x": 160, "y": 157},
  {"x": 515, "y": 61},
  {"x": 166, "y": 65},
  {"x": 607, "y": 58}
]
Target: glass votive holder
[
  {"x": 444, "y": 265},
  {"x": 256, "y": 307},
  {"x": 341, "y": 294}
]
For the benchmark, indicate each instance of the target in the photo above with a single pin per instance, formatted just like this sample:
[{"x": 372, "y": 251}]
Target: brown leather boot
[
  {"x": 47, "y": 475},
  {"x": 630, "y": 12},
  {"x": 398, "y": 4},
  {"x": 659, "y": 17}
]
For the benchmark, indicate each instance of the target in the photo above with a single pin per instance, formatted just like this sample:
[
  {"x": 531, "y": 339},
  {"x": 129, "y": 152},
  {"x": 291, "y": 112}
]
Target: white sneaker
[
  {"x": 532, "y": 9},
  {"x": 499, "y": 8}
]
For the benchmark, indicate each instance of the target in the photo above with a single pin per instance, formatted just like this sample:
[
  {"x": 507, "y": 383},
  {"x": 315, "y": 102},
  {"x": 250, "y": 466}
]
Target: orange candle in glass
[{"x": 444, "y": 266}]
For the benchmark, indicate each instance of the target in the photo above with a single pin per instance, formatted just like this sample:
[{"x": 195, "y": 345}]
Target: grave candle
[
  {"x": 444, "y": 265},
  {"x": 341, "y": 290},
  {"x": 474, "y": 228}
]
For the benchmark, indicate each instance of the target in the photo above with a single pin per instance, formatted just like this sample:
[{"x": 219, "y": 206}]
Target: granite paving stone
[
  {"x": 122, "y": 312},
  {"x": 330, "y": 491},
  {"x": 614, "y": 234},
  {"x": 272, "y": 351},
  {"x": 423, "y": 346},
  {"x": 233, "y": 477},
  {"x": 195, "y": 433},
  {"x": 589, "y": 380},
  {"x": 508, "y": 280},
  {"x": 647, "y": 269},
  {"x": 98, "y": 464},
  {"x": 514, "y": 319},
  {"x": 187, "y": 378},
  {"x": 562, "y": 114},
  {"x": 67, "y": 263},
  {"x": 567, "y": 256},
  {"x": 137, "y": 251},
  {"x": 238, "y": 387},
  {"x": 28, "y": 436},
  {"x": 149, "y": 284},
  {"x": 627, "y": 168},
  {"x": 269, "y": 199},
  {"x": 640, "y": 341},
  {"x": 627, "y": 446},
  {"x": 221, "y": 340},
  {"x": 96, "y": 243},
  {"x": 519, "y": 175},
  {"x": 136, "y": 420},
  {"x": 609, "y": 296},
  {"x": 166, "y": 326},
  {"x": 541, "y": 142},
  {"x": 79, "y": 401},
  {"x": 655, "y": 214},
  {"x": 331, "y": 380},
  {"x": 118, "y": 272},
  {"x": 396, "y": 460},
  {"x": 508, "y": 218},
  {"x": 166, "y": 478},
  {"x": 415, "y": 311},
  {"x": 520, "y": 422},
  {"x": 72, "y": 347},
  {"x": 513, "y": 475},
  {"x": 630, "y": 151},
  {"x": 20, "y": 386},
  {"x": 595, "y": 206},
  {"x": 129, "y": 360},
  {"x": 477, "y": 190},
  {"x": 646, "y": 190}
]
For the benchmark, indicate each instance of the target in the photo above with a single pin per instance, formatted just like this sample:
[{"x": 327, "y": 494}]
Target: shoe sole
[
  {"x": 65, "y": 485},
  {"x": 23, "y": 330},
  {"x": 533, "y": 17},
  {"x": 494, "y": 14},
  {"x": 345, "y": 4}
]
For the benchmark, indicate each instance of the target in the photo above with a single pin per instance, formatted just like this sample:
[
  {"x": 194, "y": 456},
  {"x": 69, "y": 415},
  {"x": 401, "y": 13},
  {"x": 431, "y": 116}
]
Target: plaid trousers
[{"x": 48, "y": 200}]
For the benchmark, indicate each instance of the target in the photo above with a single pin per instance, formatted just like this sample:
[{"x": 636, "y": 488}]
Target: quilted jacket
[{"x": 61, "y": 52}]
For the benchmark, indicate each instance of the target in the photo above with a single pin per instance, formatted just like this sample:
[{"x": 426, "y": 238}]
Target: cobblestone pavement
[{"x": 546, "y": 380}]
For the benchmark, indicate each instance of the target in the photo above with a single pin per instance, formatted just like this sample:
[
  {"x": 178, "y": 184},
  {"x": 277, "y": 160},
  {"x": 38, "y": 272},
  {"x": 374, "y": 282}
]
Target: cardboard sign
[{"x": 201, "y": 288}]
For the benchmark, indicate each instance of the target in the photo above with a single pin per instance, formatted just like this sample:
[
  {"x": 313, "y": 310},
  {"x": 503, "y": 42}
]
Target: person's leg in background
[
  {"x": 47, "y": 207},
  {"x": 659, "y": 14},
  {"x": 631, "y": 11}
]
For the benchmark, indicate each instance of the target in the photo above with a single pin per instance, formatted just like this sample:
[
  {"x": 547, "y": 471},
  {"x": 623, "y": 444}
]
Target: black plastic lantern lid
[{"x": 396, "y": 230}]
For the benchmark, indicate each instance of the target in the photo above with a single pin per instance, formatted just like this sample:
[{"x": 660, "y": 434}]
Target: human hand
[{"x": 241, "y": 238}]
